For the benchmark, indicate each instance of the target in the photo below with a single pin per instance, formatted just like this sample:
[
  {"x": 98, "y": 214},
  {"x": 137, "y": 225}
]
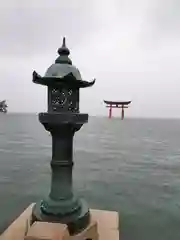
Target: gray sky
[{"x": 132, "y": 48}]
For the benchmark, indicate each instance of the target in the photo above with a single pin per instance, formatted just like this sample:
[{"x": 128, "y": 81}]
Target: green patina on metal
[{"x": 62, "y": 120}]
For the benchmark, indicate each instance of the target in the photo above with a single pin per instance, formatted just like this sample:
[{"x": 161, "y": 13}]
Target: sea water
[{"x": 130, "y": 166}]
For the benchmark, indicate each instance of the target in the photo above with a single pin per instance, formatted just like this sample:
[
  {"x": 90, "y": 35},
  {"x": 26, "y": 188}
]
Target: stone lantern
[{"x": 62, "y": 120}]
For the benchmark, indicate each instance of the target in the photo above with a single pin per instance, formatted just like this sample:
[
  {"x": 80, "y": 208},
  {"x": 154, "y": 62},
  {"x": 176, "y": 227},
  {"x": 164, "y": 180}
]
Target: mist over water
[{"x": 129, "y": 166}]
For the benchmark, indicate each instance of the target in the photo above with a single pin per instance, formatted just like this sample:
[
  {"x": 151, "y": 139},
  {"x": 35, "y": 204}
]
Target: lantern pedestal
[
  {"x": 61, "y": 205},
  {"x": 76, "y": 221},
  {"x": 104, "y": 225}
]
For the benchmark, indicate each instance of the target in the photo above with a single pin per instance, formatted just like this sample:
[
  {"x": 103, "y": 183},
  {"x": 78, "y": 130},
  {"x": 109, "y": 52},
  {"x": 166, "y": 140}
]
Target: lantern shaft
[
  {"x": 61, "y": 205},
  {"x": 61, "y": 164}
]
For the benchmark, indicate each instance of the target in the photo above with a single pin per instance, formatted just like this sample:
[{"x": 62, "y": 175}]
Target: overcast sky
[{"x": 132, "y": 48}]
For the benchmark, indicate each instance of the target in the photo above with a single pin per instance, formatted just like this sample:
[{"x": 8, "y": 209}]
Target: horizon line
[{"x": 105, "y": 116}]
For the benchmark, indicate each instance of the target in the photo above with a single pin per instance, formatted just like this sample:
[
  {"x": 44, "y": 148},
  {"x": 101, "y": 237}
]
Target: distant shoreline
[{"x": 103, "y": 116}]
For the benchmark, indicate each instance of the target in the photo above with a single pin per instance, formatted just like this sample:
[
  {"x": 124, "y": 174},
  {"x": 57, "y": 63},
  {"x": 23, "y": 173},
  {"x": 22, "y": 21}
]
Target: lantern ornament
[{"x": 62, "y": 120}]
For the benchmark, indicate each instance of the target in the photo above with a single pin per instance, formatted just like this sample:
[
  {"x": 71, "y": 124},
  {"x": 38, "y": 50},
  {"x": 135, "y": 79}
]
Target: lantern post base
[{"x": 76, "y": 217}]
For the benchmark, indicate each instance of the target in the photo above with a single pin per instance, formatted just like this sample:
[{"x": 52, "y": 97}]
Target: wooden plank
[
  {"x": 107, "y": 222},
  {"x": 110, "y": 219},
  {"x": 18, "y": 229}
]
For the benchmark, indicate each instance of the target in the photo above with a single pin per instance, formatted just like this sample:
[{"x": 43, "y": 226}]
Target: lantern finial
[{"x": 63, "y": 52}]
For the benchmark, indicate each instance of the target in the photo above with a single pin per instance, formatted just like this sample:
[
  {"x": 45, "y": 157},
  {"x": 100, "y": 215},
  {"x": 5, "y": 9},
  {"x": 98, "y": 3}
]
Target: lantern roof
[
  {"x": 62, "y": 71},
  {"x": 63, "y": 64}
]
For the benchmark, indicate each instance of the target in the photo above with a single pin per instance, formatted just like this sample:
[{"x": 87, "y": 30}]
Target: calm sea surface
[{"x": 130, "y": 166}]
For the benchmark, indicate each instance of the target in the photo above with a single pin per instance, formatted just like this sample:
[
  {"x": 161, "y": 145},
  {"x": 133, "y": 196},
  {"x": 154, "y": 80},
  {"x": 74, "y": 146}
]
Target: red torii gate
[{"x": 112, "y": 104}]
